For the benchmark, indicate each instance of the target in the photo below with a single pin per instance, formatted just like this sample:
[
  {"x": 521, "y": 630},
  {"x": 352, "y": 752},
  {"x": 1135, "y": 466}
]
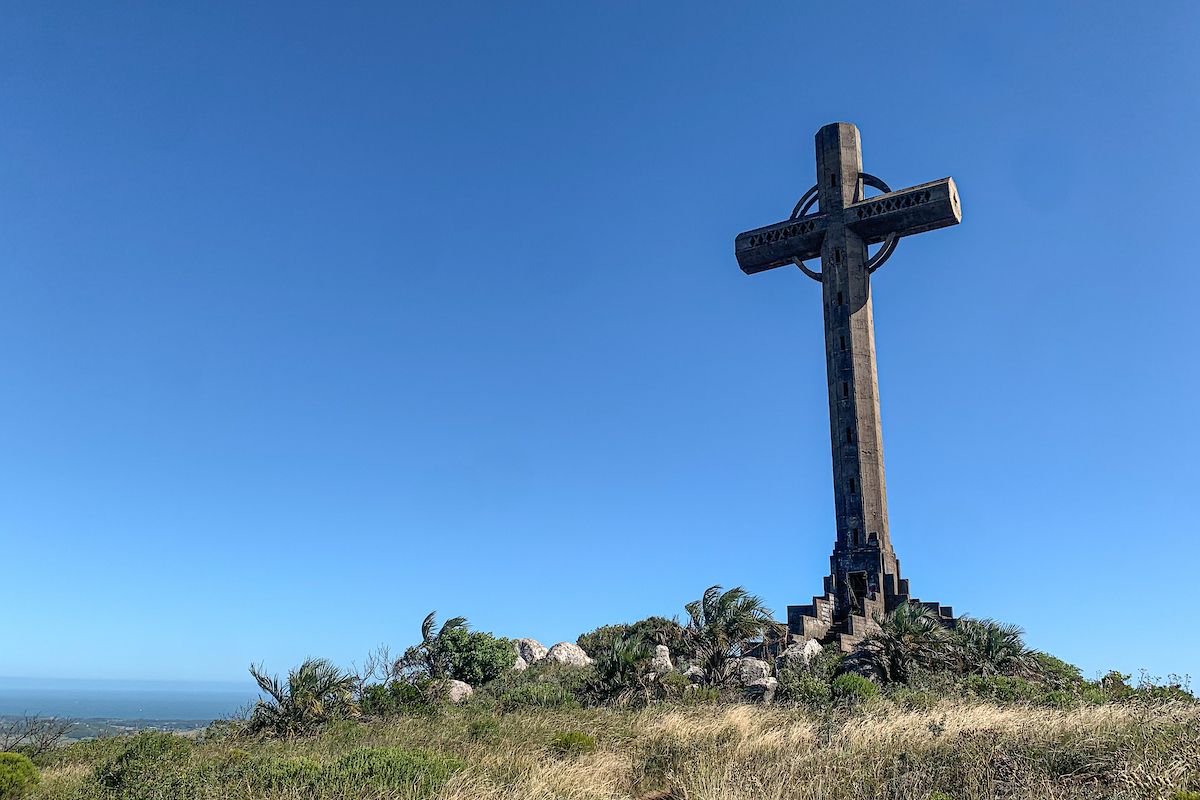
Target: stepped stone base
[{"x": 825, "y": 622}]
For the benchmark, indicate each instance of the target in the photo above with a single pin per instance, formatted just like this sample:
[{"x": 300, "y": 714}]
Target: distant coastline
[{"x": 176, "y": 705}]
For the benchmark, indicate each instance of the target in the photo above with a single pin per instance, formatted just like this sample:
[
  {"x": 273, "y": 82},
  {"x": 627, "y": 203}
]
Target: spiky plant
[
  {"x": 909, "y": 637},
  {"x": 722, "y": 625},
  {"x": 427, "y": 657},
  {"x": 988, "y": 647},
  {"x": 316, "y": 693},
  {"x": 622, "y": 671}
]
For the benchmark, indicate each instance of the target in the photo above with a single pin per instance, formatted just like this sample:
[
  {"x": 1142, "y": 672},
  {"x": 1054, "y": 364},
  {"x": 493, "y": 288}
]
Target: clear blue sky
[{"x": 313, "y": 319}]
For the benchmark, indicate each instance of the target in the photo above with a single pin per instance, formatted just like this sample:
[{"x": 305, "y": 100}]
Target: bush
[
  {"x": 475, "y": 657},
  {"x": 652, "y": 630},
  {"x": 417, "y": 773},
  {"x": 853, "y": 689},
  {"x": 484, "y": 729},
  {"x": 149, "y": 757},
  {"x": 457, "y": 652},
  {"x": 297, "y": 773},
  {"x": 314, "y": 694},
  {"x": 544, "y": 685},
  {"x": 18, "y": 776},
  {"x": 572, "y": 743},
  {"x": 810, "y": 684},
  {"x": 1004, "y": 689},
  {"x": 396, "y": 698},
  {"x": 537, "y": 695}
]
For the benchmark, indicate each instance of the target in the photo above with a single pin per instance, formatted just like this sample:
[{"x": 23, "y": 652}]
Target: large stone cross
[{"x": 865, "y": 575}]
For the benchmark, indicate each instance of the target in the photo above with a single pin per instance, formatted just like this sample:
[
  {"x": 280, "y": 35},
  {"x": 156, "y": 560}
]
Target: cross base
[{"x": 832, "y": 618}]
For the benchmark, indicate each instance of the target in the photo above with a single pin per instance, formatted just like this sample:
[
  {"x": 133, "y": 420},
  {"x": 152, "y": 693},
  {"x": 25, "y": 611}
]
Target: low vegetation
[{"x": 918, "y": 712}]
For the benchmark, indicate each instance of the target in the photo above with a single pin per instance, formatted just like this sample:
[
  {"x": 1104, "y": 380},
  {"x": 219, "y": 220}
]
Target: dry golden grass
[{"x": 742, "y": 752}]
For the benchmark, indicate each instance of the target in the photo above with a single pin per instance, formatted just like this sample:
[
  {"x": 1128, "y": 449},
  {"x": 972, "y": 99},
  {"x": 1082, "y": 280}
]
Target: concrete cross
[{"x": 865, "y": 575}]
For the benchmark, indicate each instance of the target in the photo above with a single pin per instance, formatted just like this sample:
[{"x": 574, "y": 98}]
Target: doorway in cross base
[{"x": 858, "y": 592}]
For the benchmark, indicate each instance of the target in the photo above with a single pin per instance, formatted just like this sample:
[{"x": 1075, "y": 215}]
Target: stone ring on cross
[{"x": 876, "y": 261}]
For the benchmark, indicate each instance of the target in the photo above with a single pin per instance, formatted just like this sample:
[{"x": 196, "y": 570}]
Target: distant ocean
[{"x": 123, "y": 700}]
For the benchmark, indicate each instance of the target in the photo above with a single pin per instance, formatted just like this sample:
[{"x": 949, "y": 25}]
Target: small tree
[
  {"x": 457, "y": 652},
  {"x": 32, "y": 735},
  {"x": 18, "y": 776},
  {"x": 908, "y": 638},
  {"x": 986, "y": 647},
  {"x": 623, "y": 672},
  {"x": 722, "y": 625},
  {"x": 316, "y": 693}
]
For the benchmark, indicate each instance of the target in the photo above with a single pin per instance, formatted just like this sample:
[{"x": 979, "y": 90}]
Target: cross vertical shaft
[
  {"x": 856, "y": 435},
  {"x": 864, "y": 580}
]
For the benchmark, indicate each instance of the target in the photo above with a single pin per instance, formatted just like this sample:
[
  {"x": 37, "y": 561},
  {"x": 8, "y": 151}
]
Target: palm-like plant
[
  {"x": 909, "y": 637},
  {"x": 988, "y": 647},
  {"x": 722, "y": 625},
  {"x": 427, "y": 657},
  {"x": 315, "y": 693},
  {"x": 622, "y": 671}
]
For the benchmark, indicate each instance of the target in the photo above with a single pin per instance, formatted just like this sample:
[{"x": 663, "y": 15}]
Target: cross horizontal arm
[
  {"x": 775, "y": 245},
  {"x": 916, "y": 209}
]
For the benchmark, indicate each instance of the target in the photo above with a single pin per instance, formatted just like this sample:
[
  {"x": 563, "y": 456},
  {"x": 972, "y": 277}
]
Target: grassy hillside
[{"x": 955, "y": 749}]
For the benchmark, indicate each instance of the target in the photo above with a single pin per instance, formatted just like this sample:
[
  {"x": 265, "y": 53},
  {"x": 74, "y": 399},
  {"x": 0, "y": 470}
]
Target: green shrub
[
  {"x": 396, "y": 698},
  {"x": 315, "y": 693},
  {"x": 803, "y": 687},
  {"x": 602, "y": 638},
  {"x": 1004, "y": 689},
  {"x": 149, "y": 757},
  {"x": 652, "y": 630},
  {"x": 537, "y": 695},
  {"x": 296, "y": 773},
  {"x": 475, "y": 657},
  {"x": 853, "y": 689},
  {"x": 543, "y": 685},
  {"x": 1183, "y": 794},
  {"x": 572, "y": 743},
  {"x": 18, "y": 776},
  {"x": 417, "y": 773},
  {"x": 484, "y": 729},
  {"x": 1056, "y": 672}
]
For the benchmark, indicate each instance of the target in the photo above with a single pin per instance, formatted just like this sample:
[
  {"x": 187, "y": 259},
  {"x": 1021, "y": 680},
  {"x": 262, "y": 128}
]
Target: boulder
[
  {"x": 798, "y": 655},
  {"x": 531, "y": 650},
  {"x": 452, "y": 691},
  {"x": 662, "y": 658},
  {"x": 750, "y": 670},
  {"x": 568, "y": 653},
  {"x": 762, "y": 690},
  {"x": 520, "y": 665},
  {"x": 694, "y": 674}
]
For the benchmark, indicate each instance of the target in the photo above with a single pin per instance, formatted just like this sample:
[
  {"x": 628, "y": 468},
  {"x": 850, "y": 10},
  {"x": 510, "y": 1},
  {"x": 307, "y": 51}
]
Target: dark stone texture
[{"x": 864, "y": 578}]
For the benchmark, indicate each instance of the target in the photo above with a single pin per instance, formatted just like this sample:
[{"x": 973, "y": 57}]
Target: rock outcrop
[
  {"x": 531, "y": 650},
  {"x": 750, "y": 670},
  {"x": 568, "y": 653},
  {"x": 762, "y": 690},
  {"x": 798, "y": 655},
  {"x": 662, "y": 658},
  {"x": 452, "y": 691}
]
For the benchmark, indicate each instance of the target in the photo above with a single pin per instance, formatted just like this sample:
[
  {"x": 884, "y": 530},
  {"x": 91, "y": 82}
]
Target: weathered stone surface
[
  {"x": 750, "y": 670},
  {"x": 797, "y": 655},
  {"x": 520, "y": 665},
  {"x": 453, "y": 691},
  {"x": 763, "y": 690},
  {"x": 694, "y": 674},
  {"x": 531, "y": 650},
  {"x": 662, "y": 658},
  {"x": 865, "y": 580},
  {"x": 568, "y": 653}
]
